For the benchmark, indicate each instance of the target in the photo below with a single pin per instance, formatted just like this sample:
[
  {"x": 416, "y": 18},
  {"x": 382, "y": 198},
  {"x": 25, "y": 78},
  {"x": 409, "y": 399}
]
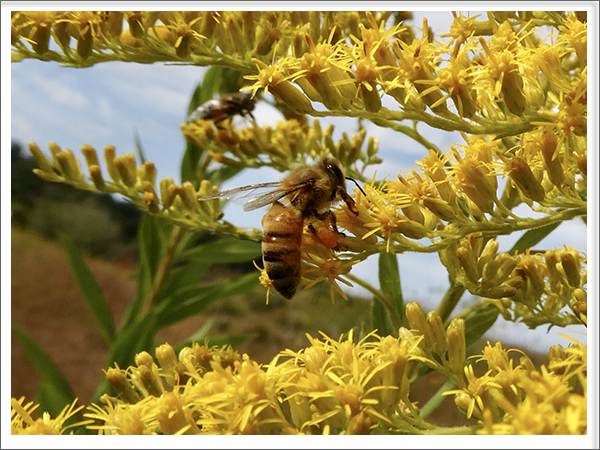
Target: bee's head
[{"x": 334, "y": 170}]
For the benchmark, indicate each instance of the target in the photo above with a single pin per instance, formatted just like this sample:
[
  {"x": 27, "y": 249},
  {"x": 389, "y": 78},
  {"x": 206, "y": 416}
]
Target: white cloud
[{"x": 60, "y": 91}]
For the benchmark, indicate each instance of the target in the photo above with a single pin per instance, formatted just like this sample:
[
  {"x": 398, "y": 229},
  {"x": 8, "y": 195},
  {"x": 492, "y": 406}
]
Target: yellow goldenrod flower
[
  {"x": 474, "y": 174},
  {"x": 272, "y": 80},
  {"x": 326, "y": 266},
  {"x": 416, "y": 65},
  {"x": 575, "y": 34},
  {"x": 456, "y": 79},
  {"x": 22, "y": 423}
]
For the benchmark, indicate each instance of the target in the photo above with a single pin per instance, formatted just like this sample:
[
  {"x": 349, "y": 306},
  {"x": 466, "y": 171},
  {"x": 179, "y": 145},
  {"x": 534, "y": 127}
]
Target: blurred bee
[
  {"x": 224, "y": 107},
  {"x": 304, "y": 196}
]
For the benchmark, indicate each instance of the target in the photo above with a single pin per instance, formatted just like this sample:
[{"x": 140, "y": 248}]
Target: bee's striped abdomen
[{"x": 282, "y": 228}]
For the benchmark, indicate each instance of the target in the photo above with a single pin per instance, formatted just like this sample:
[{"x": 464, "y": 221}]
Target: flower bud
[
  {"x": 90, "y": 155},
  {"x": 411, "y": 229},
  {"x": 449, "y": 259},
  {"x": 468, "y": 263},
  {"x": 272, "y": 78},
  {"x": 167, "y": 192},
  {"x": 189, "y": 196},
  {"x": 456, "y": 346},
  {"x": 118, "y": 380},
  {"x": 109, "y": 156},
  {"x": 487, "y": 254},
  {"x": 41, "y": 38},
  {"x": 571, "y": 266},
  {"x": 436, "y": 331},
  {"x": 128, "y": 177},
  {"x": 506, "y": 289},
  {"x": 144, "y": 359},
  {"x": 96, "y": 177},
  {"x": 151, "y": 200},
  {"x": 167, "y": 361},
  {"x": 69, "y": 166},
  {"x": 150, "y": 380},
  {"x": 440, "y": 208},
  {"x": 551, "y": 158},
  {"x": 148, "y": 172},
  {"x": 580, "y": 310},
  {"x": 512, "y": 91},
  {"x": 85, "y": 42},
  {"x": 416, "y": 319},
  {"x": 40, "y": 159},
  {"x": 507, "y": 265},
  {"x": 520, "y": 172},
  {"x": 48, "y": 176}
]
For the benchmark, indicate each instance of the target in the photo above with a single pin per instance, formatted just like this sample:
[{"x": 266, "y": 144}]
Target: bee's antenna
[{"x": 357, "y": 185}]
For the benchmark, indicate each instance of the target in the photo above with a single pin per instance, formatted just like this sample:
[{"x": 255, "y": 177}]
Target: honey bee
[
  {"x": 303, "y": 197},
  {"x": 224, "y": 107}
]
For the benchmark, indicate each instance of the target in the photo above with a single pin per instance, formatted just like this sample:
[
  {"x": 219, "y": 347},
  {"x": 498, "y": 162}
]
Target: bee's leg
[
  {"x": 329, "y": 236},
  {"x": 221, "y": 119},
  {"x": 349, "y": 201},
  {"x": 329, "y": 216}
]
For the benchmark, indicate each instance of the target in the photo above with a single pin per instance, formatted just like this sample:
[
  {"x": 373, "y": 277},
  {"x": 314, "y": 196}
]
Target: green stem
[
  {"x": 386, "y": 301},
  {"x": 164, "y": 267},
  {"x": 436, "y": 399},
  {"x": 408, "y": 131}
]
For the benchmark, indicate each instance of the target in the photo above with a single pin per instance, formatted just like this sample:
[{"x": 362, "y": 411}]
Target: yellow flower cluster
[
  {"x": 531, "y": 97},
  {"x": 88, "y": 37},
  {"x": 520, "y": 102},
  {"x": 282, "y": 147},
  {"x": 533, "y": 287},
  {"x": 520, "y": 399},
  {"x": 330, "y": 387},
  {"x": 333, "y": 387},
  {"x": 22, "y": 422},
  {"x": 176, "y": 204}
]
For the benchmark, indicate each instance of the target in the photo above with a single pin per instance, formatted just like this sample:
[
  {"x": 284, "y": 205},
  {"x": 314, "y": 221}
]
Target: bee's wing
[
  {"x": 239, "y": 192},
  {"x": 270, "y": 197}
]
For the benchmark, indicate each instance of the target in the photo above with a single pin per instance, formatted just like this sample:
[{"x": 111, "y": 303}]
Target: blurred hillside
[{"x": 98, "y": 223}]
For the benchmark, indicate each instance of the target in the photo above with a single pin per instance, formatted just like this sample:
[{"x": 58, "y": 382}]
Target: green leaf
[
  {"x": 135, "y": 338},
  {"x": 381, "y": 318},
  {"x": 194, "y": 300},
  {"x": 224, "y": 251},
  {"x": 193, "y": 154},
  {"x": 190, "y": 162},
  {"x": 231, "y": 80},
  {"x": 479, "y": 318},
  {"x": 185, "y": 276},
  {"x": 221, "y": 174},
  {"x": 532, "y": 237},
  {"x": 152, "y": 239},
  {"x": 389, "y": 281},
  {"x": 138, "y": 146},
  {"x": 52, "y": 377},
  {"x": 91, "y": 291}
]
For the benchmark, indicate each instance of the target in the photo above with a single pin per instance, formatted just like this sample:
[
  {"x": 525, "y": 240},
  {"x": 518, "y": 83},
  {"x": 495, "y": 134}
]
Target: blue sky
[{"x": 107, "y": 103}]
